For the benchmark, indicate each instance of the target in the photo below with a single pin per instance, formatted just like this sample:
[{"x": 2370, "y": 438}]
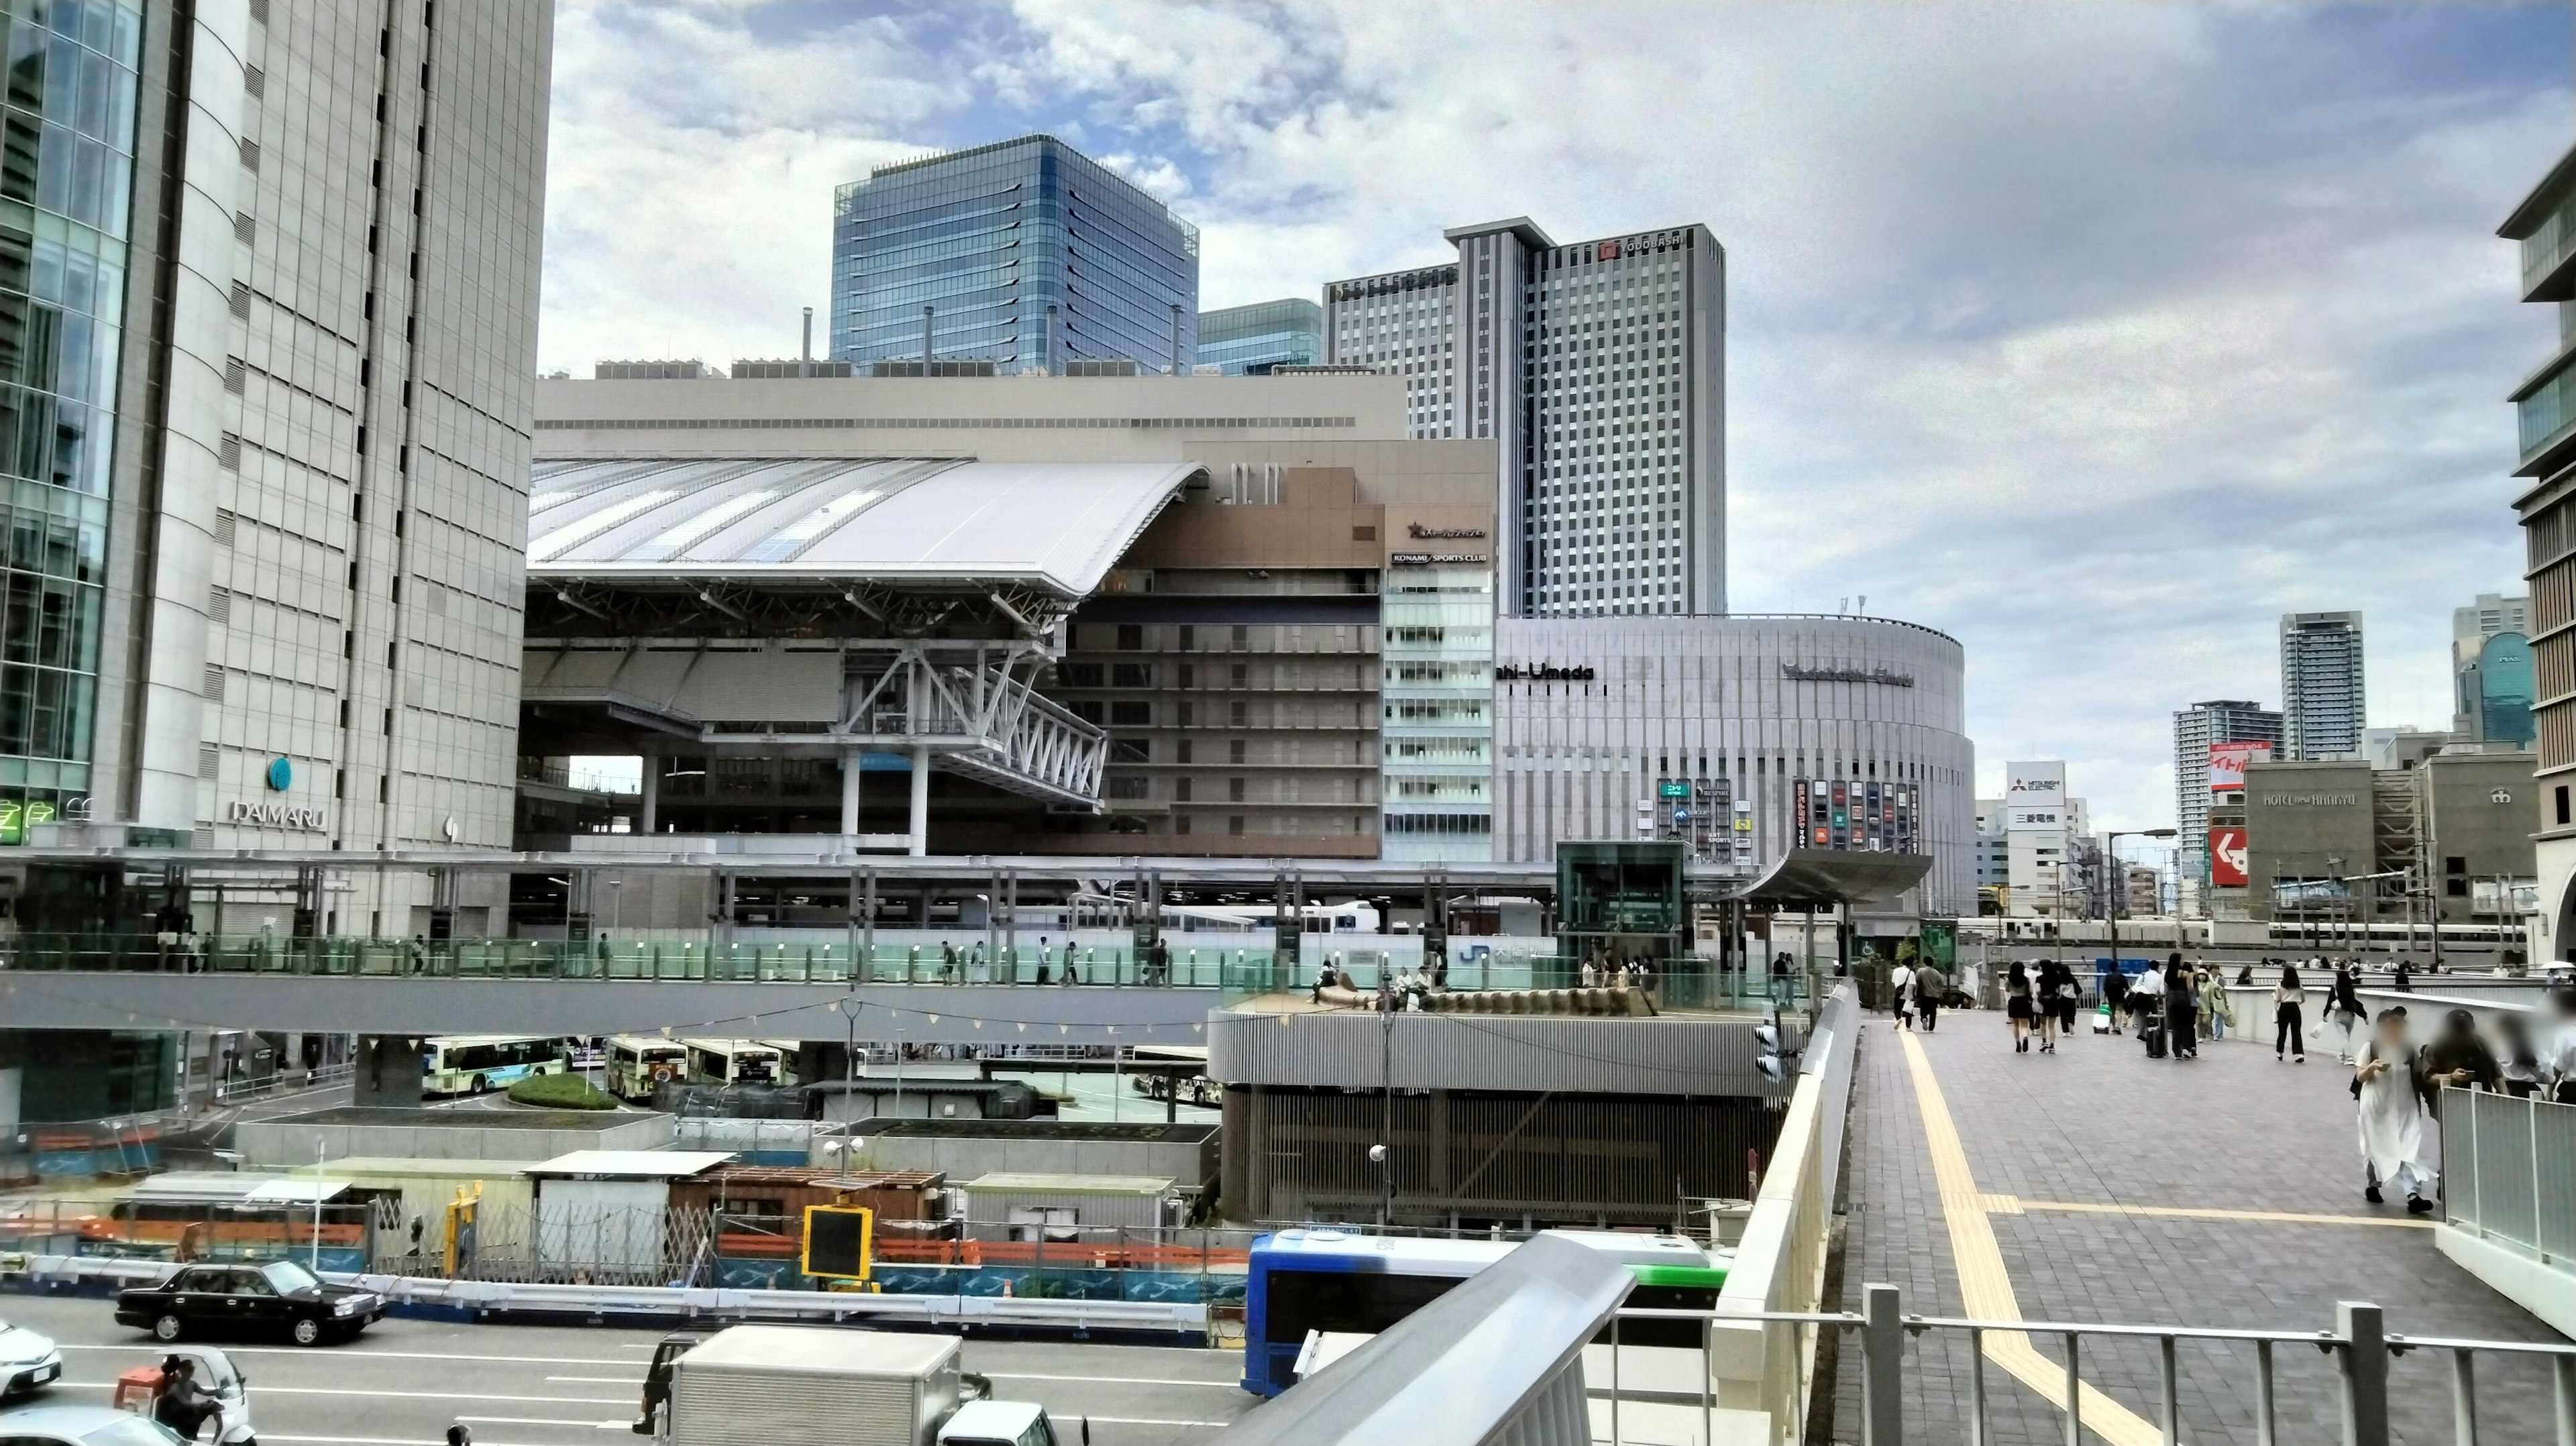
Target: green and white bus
[
  {"x": 470, "y": 1064},
  {"x": 638, "y": 1062}
]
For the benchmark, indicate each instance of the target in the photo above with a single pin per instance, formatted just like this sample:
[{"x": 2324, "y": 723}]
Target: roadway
[{"x": 405, "y": 1381}]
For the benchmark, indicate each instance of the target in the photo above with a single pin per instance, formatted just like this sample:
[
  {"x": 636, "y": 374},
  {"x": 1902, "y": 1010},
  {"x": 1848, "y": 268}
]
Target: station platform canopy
[{"x": 906, "y": 523}]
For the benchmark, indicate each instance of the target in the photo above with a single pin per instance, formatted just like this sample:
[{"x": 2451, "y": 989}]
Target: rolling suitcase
[{"x": 2154, "y": 1035}]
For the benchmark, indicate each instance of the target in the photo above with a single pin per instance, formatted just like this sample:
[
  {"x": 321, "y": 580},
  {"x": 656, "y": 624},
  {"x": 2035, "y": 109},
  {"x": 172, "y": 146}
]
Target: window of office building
[{"x": 68, "y": 172}]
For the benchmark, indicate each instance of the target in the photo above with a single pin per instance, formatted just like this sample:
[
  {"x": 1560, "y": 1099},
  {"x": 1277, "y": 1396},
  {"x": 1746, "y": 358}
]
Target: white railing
[
  {"x": 2509, "y": 1198},
  {"x": 1759, "y": 1363}
]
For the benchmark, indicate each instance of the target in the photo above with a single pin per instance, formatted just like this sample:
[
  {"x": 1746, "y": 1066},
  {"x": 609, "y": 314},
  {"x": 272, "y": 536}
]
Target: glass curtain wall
[
  {"x": 1251, "y": 340},
  {"x": 1438, "y": 730},
  {"x": 990, "y": 239},
  {"x": 66, "y": 187}
]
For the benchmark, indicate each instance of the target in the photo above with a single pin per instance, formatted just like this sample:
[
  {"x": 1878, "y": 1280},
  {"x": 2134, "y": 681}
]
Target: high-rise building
[
  {"x": 273, "y": 370},
  {"x": 2545, "y": 413},
  {"x": 2220, "y": 720},
  {"x": 1024, "y": 253},
  {"x": 2321, "y": 688},
  {"x": 2491, "y": 669},
  {"x": 1248, "y": 341},
  {"x": 2049, "y": 870},
  {"x": 1600, "y": 368}
]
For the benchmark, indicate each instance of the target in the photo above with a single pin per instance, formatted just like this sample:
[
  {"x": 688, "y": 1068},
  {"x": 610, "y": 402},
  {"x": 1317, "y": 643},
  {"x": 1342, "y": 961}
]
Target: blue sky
[{"x": 2095, "y": 335}]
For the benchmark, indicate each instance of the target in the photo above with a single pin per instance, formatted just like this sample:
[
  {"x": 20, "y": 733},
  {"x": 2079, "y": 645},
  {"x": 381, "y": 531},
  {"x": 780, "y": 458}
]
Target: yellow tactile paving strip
[
  {"x": 2015, "y": 1205},
  {"x": 1985, "y": 1290}
]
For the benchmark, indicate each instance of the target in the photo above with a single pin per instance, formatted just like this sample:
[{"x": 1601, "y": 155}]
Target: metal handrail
[{"x": 2361, "y": 1348}]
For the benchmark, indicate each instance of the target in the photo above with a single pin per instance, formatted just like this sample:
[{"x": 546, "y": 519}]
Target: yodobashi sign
[
  {"x": 2227, "y": 858},
  {"x": 2227, "y": 764},
  {"x": 2035, "y": 785},
  {"x": 275, "y": 815}
]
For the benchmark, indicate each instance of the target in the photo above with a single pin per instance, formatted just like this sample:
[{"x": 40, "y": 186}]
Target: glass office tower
[
  {"x": 1025, "y": 253},
  {"x": 1247, "y": 341},
  {"x": 66, "y": 189}
]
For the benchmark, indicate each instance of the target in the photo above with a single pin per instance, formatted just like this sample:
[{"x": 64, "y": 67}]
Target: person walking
[
  {"x": 2217, "y": 1011},
  {"x": 2522, "y": 1069},
  {"x": 1900, "y": 994},
  {"x": 1929, "y": 982},
  {"x": 2287, "y": 997},
  {"x": 2560, "y": 1052},
  {"x": 2390, "y": 1093},
  {"x": 2115, "y": 992},
  {"x": 2344, "y": 1011},
  {"x": 2069, "y": 998},
  {"x": 2017, "y": 1008},
  {"x": 2182, "y": 1010}
]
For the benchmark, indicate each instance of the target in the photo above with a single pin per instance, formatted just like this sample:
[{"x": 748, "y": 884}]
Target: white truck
[{"x": 765, "y": 1385}]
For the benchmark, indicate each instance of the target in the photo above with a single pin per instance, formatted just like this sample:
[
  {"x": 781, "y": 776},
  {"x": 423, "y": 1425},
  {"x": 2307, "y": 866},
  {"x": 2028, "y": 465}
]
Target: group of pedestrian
[
  {"x": 2040, "y": 1002},
  {"x": 2397, "y": 1086},
  {"x": 1914, "y": 992}
]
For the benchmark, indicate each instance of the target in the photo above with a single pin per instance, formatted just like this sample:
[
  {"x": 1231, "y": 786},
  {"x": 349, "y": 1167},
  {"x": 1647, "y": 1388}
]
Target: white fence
[
  {"x": 1763, "y": 1369},
  {"x": 2509, "y": 1198}
]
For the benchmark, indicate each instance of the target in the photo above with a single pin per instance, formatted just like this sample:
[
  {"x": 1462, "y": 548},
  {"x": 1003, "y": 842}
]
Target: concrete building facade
[
  {"x": 2340, "y": 838},
  {"x": 1599, "y": 368},
  {"x": 2322, "y": 696},
  {"x": 293, "y": 468},
  {"x": 1604, "y": 724},
  {"x": 2543, "y": 225},
  {"x": 2218, "y": 720}
]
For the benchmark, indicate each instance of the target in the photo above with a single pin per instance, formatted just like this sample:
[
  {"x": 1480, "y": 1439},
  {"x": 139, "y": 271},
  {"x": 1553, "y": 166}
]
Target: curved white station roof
[{"x": 1052, "y": 525}]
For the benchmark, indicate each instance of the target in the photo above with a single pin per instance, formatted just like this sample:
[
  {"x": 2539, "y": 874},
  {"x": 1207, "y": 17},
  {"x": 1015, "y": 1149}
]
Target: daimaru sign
[{"x": 276, "y": 815}]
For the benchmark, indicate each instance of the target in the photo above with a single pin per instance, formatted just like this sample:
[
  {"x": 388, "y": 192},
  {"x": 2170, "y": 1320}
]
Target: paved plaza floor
[{"x": 2097, "y": 1185}]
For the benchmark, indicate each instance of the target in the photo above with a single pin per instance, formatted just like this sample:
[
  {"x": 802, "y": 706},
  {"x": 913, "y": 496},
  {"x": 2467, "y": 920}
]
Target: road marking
[
  {"x": 597, "y": 1380},
  {"x": 2181, "y": 1212},
  {"x": 1108, "y": 1380},
  {"x": 548, "y": 1421},
  {"x": 1142, "y": 1421},
  {"x": 1985, "y": 1288},
  {"x": 394, "y": 1395},
  {"x": 149, "y": 1348},
  {"x": 367, "y": 1441}
]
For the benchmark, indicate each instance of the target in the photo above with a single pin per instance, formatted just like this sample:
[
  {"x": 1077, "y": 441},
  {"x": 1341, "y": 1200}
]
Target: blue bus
[{"x": 1305, "y": 1282}]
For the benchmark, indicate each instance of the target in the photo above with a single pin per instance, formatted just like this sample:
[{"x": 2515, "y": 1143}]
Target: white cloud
[{"x": 2097, "y": 336}]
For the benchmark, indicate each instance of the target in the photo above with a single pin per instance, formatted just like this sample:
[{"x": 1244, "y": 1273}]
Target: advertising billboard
[
  {"x": 2227, "y": 858},
  {"x": 2035, "y": 785},
  {"x": 2227, "y": 764}
]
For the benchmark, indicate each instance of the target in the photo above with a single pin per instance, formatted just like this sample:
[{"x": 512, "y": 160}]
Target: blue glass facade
[
  {"x": 990, "y": 238},
  {"x": 66, "y": 189},
  {"x": 1246, "y": 341}
]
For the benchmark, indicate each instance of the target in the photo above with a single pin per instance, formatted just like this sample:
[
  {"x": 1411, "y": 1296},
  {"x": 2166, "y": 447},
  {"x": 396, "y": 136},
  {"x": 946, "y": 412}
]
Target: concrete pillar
[
  {"x": 652, "y": 795},
  {"x": 920, "y": 802},
  {"x": 850, "y": 791}
]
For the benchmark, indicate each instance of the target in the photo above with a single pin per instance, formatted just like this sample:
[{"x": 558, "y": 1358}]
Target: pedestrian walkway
[{"x": 2097, "y": 1185}]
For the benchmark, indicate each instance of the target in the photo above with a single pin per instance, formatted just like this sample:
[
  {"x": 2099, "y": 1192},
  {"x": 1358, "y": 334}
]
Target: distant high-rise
[
  {"x": 2321, "y": 685},
  {"x": 1601, "y": 369},
  {"x": 2491, "y": 669},
  {"x": 1243, "y": 341},
  {"x": 1024, "y": 253},
  {"x": 2221, "y": 720}
]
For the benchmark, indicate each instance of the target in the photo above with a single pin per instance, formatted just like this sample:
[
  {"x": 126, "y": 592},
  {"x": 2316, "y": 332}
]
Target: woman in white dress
[{"x": 2392, "y": 1114}]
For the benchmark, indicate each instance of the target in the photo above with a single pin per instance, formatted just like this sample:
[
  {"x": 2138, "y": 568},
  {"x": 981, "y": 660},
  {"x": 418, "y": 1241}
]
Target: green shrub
[{"x": 560, "y": 1092}]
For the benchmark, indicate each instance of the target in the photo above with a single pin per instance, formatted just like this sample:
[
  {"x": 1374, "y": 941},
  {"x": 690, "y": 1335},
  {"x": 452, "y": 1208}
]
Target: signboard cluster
[
  {"x": 1861, "y": 815},
  {"x": 1701, "y": 812}
]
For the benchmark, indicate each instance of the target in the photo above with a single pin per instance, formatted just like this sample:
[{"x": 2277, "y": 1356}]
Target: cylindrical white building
[{"x": 1591, "y": 714}]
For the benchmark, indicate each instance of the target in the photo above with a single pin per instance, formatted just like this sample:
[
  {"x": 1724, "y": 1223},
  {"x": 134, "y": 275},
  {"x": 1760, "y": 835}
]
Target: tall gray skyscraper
[
  {"x": 2321, "y": 688},
  {"x": 274, "y": 368},
  {"x": 1601, "y": 369},
  {"x": 2221, "y": 720}
]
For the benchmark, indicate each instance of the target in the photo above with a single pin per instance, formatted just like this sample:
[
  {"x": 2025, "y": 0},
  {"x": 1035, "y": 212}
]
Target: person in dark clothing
[
  {"x": 2457, "y": 1057},
  {"x": 2287, "y": 1000},
  {"x": 2402, "y": 979},
  {"x": 2182, "y": 1010},
  {"x": 2115, "y": 993},
  {"x": 182, "y": 1405}
]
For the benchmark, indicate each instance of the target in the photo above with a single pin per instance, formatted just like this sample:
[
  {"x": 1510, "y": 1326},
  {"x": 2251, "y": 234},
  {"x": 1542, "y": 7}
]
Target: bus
[
  {"x": 1304, "y": 1284},
  {"x": 470, "y": 1064},
  {"x": 736, "y": 1062},
  {"x": 639, "y": 1062}
]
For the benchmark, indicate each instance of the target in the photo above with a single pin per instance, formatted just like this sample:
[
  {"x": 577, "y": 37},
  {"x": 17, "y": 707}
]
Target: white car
[
  {"x": 28, "y": 1361},
  {"x": 82, "y": 1426}
]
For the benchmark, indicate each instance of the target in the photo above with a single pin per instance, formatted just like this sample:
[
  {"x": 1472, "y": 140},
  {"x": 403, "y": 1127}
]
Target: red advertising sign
[
  {"x": 2227, "y": 764},
  {"x": 1606, "y": 251},
  {"x": 2227, "y": 858}
]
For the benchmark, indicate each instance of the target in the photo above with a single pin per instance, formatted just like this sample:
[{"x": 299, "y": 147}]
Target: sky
[{"x": 2096, "y": 336}]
